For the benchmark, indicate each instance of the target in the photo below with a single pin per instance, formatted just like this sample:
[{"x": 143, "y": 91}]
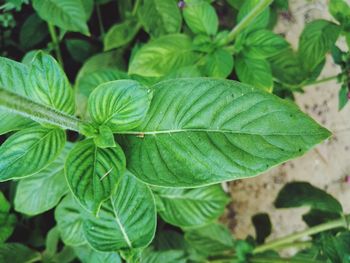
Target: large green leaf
[
  {"x": 120, "y": 34},
  {"x": 203, "y": 131},
  {"x": 263, "y": 44},
  {"x": 69, "y": 221},
  {"x": 42, "y": 191},
  {"x": 127, "y": 221},
  {"x": 28, "y": 151},
  {"x": 316, "y": 40},
  {"x": 12, "y": 122},
  {"x": 256, "y": 72},
  {"x": 7, "y": 219},
  {"x": 191, "y": 207},
  {"x": 210, "y": 240},
  {"x": 160, "y": 17},
  {"x": 163, "y": 55},
  {"x": 87, "y": 255},
  {"x": 93, "y": 173},
  {"x": 201, "y": 17},
  {"x": 66, "y": 14},
  {"x": 121, "y": 105},
  {"x": 297, "y": 194},
  {"x": 18, "y": 253},
  {"x": 49, "y": 84}
]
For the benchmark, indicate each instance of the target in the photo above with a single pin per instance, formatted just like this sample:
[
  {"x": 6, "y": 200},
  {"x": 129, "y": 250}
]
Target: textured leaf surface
[
  {"x": 120, "y": 34},
  {"x": 93, "y": 173},
  {"x": 202, "y": 131},
  {"x": 66, "y": 14},
  {"x": 42, "y": 191},
  {"x": 160, "y": 17},
  {"x": 127, "y": 221},
  {"x": 163, "y": 55},
  {"x": 299, "y": 194},
  {"x": 165, "y": 256},
  {"x": 12, "y": 122},
  {"x": 121, "y": 105},
  {"x": 316, "y": 40},
  {"x": 69, "y": 221},
  {"x": 28, "y": 151},
  {"x": 201, "y": 17},
  {"x": 191, "y": 207},
  {"x": 87, "y": 255},
  {"x": 18, "y": 253},
  {"x": 49, "y": 84}
]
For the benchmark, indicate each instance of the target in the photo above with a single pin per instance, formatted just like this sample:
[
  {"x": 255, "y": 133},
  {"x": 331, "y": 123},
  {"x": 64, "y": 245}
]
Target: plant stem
[
  {"x": 342, "y": 222},
  {"x": 136, "y": 7},
  {"x": 100, "y": 22},
  {"x": 41, "y": 113},
  {"x": 56, "y": 43},
  {"x": 257, "y": 10},
  {"x": 321, "y": 80},
  {"x": 281, "y": 260}
]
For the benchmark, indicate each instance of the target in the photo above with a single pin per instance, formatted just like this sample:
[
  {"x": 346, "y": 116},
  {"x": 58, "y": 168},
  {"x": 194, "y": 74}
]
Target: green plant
[{"x": 156, "y": 139}]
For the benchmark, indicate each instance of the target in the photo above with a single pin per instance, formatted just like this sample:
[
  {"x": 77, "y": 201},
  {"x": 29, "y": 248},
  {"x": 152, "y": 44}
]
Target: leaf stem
[
  {"x": 56, "y": 43},
  {"x": 41, "y": 113},
  {"x": 342, "y": 222},
  {"x": 257, "y": 10},
  {"x": 321, "y": 80},
  {"x": 136, "y": 7}
]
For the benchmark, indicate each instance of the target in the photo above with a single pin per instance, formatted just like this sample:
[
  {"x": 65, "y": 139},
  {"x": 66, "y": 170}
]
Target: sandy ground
[{"x": 326, "y": 166}]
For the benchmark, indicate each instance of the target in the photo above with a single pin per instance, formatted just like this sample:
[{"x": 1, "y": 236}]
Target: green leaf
[
  {"x": 7, "y": 220},
  {"x": 42, "y": 191},
  {"x": 219, "y": 64},
  {"x": 12, "y": 122},
  {"x": 49, "y": 84},
  {"x": 317, "y": 38},
  {"x": 191, "y": 207},
  {"x": 33, "y": 31},
  {"x": 201, "y": 17},
  {"x": 203, "y": 131},
  {"x": 263, "y": 227},
  {"x": 87, "y": 255},
  {"x": 260, "y": 22},
  {"x": 263, "y": 44},
  {"x": 120, "y": 34},
  {"x": 256, "y": 72},
  {"x": 80, "y": 49},
  {"x": 93, "y": 173},
  {"x": 342, "y": 97},
  {"x": 160, "y": 17},
  {"x": 29, "y": 151},
  {"x": 105, "y": 138},
  {"x": 66, "y": 14},
  {"x": 340, "y": 10},
  {"x": 18, "y": 253},
  {"x": 213, "y": 239},
  {"x": 168, "y": 256},
  {"x": 336, "y": 248},
  {"x": 126, "y": 221},
  {"x": 69, "y": 222},
  {"x": 120, "y": 105},
  {"x": 299, "y": 194},
  {"x": 161, "y": 56}
]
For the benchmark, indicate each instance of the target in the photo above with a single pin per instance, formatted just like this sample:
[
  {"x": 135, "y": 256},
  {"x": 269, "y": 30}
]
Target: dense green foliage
[{"x": 168, "y": 103}]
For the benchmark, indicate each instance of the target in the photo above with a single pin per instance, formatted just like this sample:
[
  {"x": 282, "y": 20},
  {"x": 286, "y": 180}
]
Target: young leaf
[
  {"x": 340, "y": 10},
  {"x": 120, "y": 105},
  {"x": 336, "y": 248},
  {"x": 191, "y": 207},
  {"x": 203, "y": 131},
  {"x": 342, "y": 97},
  {"x": 298, "y": 194},
  {"x": 262, "y": 225},
  {"x": 126, "y": 221},
  {"x": 87, "y": 255},
  {"x": 42, "y": 191},
  {"x": 93, "y": 173},
  {"x": 210, "y": 240},
  {"x": 66, "y": 14},
  {"x": 79, "y": 49},
  {"x": 260, "y": 22},
  {"x": 161, "y": 56},
  {"x": 317, "y": 38},
  {"x": 160, "y": 17},
  {"x": 7, "y": 220},
  {"x": 49, "y": 84},
  {"x": 29, "y": 151},
  {"x": 33, "y": 31},
  {"x": 263, "y": 43},
  {"x": 201, "y": 17},
  {"x": 18, "y": 253},
  {"x": 120, "y": 34},
  {"x": 70, "y": 222},
  {"x": 219, "y": 64},
  {"x": 256, "y": 72}
]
